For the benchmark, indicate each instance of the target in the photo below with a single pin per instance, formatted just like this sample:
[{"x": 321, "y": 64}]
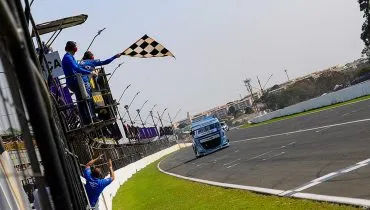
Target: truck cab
[{"x": 208, "y": 136}]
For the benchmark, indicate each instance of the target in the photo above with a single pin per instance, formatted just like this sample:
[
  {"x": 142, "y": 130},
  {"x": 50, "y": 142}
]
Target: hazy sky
[{"x": 217, "y": 44}]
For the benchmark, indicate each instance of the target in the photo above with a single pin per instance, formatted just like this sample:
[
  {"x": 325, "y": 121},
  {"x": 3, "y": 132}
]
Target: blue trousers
[{"x": 83, "y": 106}]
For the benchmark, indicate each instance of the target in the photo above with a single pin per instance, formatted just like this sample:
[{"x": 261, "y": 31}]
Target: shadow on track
[{"x": 188, "y": 161}]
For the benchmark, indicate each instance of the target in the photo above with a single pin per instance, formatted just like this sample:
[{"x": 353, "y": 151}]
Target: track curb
[{"x": 317, "y": 197}]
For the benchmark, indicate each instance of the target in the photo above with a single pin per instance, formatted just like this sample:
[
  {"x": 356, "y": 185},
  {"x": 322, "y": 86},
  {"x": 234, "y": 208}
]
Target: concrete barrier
[
  {"x": 346, "y": 94},
  {"x": 123, "y": 174}
]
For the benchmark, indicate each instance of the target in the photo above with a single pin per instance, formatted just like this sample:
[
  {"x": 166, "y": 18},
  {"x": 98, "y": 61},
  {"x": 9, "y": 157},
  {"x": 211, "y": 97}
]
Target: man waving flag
[{"x": 147, "y": 47}]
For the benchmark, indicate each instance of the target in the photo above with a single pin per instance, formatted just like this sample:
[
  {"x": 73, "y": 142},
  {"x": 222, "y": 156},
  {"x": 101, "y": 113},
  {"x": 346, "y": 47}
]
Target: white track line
[
  {"x": 351, "y": 112},
  {"x": 327, "y": 198},
  {"x": 303, "y": 130},
  {"x": 318, "y": 131},
  {"x": 232, "y": 162},
  {"x": 289, "y": 144},
  {"x": 265, "y": 153},
  {"x": 326, "y": 178},
  {"x": 281, "y": 153},
  {"x": 232, "y": 165},
  {"x": 219, "y": 158}
]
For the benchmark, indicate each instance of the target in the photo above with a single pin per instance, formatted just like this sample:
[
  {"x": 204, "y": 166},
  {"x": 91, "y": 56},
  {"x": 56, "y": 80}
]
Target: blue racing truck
[{"x": 208, "y": 136}]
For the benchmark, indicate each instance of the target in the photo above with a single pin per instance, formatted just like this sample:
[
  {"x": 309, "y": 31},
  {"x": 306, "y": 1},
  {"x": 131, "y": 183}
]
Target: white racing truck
[{"x": 208, "y": 136}]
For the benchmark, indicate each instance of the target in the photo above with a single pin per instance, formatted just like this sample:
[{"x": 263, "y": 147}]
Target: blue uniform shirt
[
  {"x": 91, "y": 64},
  {"x": 71, "y": 67},
  {"x": 94, "y": 186}
]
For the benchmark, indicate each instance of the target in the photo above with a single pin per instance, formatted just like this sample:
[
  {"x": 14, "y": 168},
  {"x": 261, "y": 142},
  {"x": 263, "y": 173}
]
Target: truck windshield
[{"x": 206, "y": 129}]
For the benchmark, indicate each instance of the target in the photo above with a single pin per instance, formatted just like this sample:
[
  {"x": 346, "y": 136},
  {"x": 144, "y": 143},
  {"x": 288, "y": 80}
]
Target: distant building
[
  {"x": 220, "y": 112},
  {"x": 199, "y": 116},
  {"x": 184, "y": 121},
  {"x": 240, "y": 105}
]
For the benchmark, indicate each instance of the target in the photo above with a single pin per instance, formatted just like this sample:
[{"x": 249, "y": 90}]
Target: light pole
[
  {"x": 138, "y": 113},
  {"x": 177, "y": 113},
  {"x": 267, "y": 81},
  {"x": 247, "y": 83},
  {"x": 128, "y": 112},
  {"x": 133, "y": 99},
  {"x": 171, "y": 120},
  {"x": 98, "y": 34},
  {"x": 259, "y": 82},
  {"x": 142, "y": 106},
  {"x": 129, "y": 116},
  {"x": 160, "y": 120},
  {"x": 123, "y": 93},
  {"x": 151, "y": 110},
  {"x": 160, "y": 117},
  {"x": 128, "y": 106},
  {"x": 287, "y": 76},
  {"x": 119, "y": 113},
  {"x": 119, "y": 65},
  {"x": 155, "y": 126},
  {"x": 169, "y": 117}
]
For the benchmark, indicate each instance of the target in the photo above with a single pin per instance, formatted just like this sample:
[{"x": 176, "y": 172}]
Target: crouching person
[{"x": 95, "y": 183}]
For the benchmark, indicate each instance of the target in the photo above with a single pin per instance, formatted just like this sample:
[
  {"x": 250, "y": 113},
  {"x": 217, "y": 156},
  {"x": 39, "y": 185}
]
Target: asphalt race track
[{"x": 326, "y": 153}]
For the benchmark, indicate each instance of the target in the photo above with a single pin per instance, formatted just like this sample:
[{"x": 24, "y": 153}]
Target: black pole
[
  {"x": 160, "y": 120},
  {"x": 25, "y": 22},
  {"x": 155, "y": 125},
  {"x": 177, "y": 113},
  {"x": 287, "y": 76},
  {"x": 123, "y": 125},
  {"x": 133, "y": 99},
  {"x": 160, "y": 117},
  {"x": 259, "y": 82},
  {"x": 99, "y": 32},
  {"x": 128, "y": 106},
  {"x": 142, "y": 106},
  {"x": 170, "y": 119},
  {"x": 267, "y": 81},
  {"x": 123, "y": 92},
  {"x": 26, "y": 72},
  {"x": 138, "y": 112},
  {"x": 119, "y": 65},
  {"x": 129, "y": 116},
  {"x": 149, "y": 113}
]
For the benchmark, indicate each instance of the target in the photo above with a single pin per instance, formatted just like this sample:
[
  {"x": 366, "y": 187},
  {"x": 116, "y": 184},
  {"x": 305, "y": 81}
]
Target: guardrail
[{"x": 346, "y": 94}]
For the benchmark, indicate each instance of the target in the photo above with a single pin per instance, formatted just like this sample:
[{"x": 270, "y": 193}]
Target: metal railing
[{"x": 49, "y": 145}]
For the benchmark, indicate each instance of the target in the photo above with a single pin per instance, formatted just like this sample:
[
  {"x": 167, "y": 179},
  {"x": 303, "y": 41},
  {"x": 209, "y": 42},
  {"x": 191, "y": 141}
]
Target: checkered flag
[{"x": 147, "y": 47}]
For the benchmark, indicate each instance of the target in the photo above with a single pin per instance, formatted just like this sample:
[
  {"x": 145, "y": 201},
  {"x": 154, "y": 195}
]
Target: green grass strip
[
  {"x": 150, "y": 189},
  {"x": 363, "y": 98}
]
